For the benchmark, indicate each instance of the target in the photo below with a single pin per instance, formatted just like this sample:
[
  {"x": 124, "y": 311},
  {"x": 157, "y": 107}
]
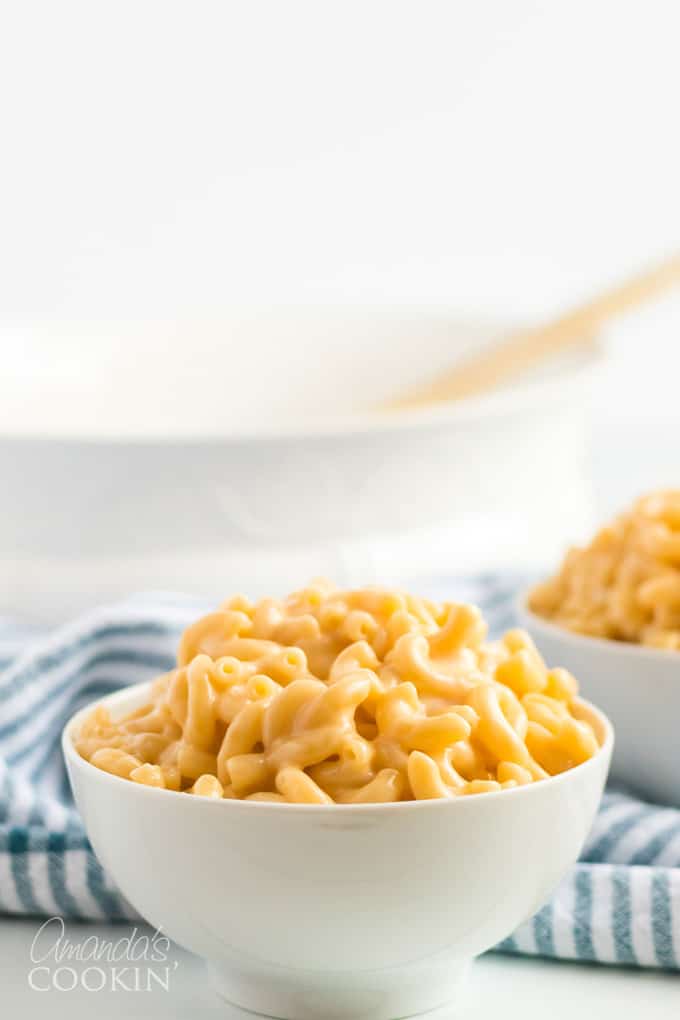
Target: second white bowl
[{"x": 638, "y": 688}]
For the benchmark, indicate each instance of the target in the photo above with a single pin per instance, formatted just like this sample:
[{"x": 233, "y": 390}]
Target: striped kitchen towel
[{"x": 620, "y": 904}]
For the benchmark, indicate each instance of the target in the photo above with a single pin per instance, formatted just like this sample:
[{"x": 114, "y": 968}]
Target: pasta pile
[
  {"x": 333, "y": 696},
  {"x": 624, "y": 585}
]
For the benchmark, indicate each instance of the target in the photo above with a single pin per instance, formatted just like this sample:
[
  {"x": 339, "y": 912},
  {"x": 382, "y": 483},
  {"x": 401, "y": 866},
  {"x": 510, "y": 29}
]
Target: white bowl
[
  {"x": 177, "y": 456},
  {"x": 368, "y": 912},
  {"x": 638, "y": 688}
]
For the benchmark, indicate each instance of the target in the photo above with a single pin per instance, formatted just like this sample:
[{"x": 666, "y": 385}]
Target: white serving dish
[
  {"x": 246, "y": 453},
  {"x": 638, "y": 688},
  {"x": 368, "y": 912}
]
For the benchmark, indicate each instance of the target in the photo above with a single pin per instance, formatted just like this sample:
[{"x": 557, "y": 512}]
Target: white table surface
[{"x": 499, "y": 986}]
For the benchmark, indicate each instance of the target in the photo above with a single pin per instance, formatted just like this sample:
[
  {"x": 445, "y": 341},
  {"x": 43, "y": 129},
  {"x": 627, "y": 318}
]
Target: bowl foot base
[{"x": 389, "y": 994}]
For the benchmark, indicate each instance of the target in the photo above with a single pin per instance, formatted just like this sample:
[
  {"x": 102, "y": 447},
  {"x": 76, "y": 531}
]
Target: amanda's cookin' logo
[{"x": 133, "y": 963}]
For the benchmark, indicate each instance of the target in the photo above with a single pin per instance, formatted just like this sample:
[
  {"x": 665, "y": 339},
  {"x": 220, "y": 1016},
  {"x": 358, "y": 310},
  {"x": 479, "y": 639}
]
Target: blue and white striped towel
[{"x": 621, "y": 904}]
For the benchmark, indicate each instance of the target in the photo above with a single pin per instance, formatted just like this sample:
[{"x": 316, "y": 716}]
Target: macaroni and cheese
[
  {"x": 346, "y": 697},
  {"x": 625, "y": 584}
]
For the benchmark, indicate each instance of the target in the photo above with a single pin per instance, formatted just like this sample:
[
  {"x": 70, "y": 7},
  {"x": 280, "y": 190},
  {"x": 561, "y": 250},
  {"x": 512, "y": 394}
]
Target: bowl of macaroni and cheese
[
  {"x": 611, "y": 615},
  {"x": 340, "y": 798}
]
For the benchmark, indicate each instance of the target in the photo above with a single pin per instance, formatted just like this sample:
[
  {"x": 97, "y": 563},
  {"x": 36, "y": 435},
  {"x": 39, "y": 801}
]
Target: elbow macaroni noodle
[
  {"x": 345, "y": 697},
  {"x": 624, "y": 585}
]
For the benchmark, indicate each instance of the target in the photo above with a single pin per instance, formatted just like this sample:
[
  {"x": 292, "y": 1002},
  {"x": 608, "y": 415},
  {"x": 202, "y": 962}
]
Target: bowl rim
[
  {"x": 630, "y": 648},
  {"x": 488, "y": 406},
  {"x": 134, "y": 692}
]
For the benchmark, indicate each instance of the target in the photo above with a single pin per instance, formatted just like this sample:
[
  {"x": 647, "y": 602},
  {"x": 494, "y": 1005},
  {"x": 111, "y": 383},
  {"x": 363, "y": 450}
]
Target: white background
[
  {"x": 167, "y": 159},
  {"x": 164, "y": 158}
]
